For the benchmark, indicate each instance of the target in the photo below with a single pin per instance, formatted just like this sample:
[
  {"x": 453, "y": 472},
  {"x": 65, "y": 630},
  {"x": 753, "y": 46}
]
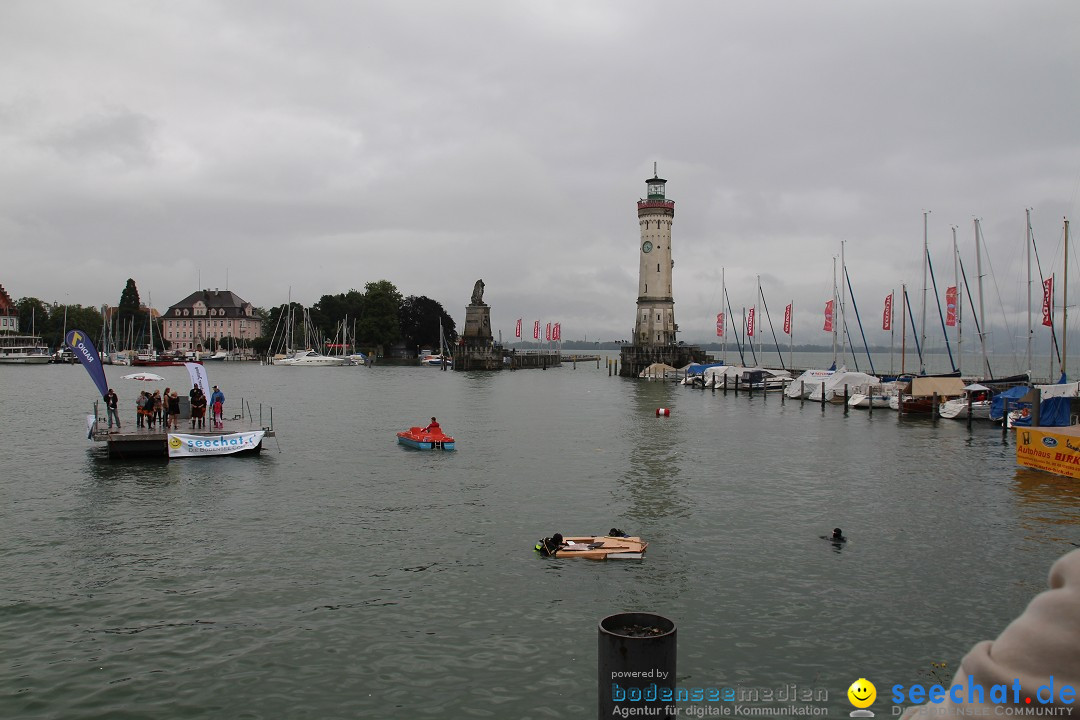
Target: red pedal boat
[{"x": 421, "y": 439}]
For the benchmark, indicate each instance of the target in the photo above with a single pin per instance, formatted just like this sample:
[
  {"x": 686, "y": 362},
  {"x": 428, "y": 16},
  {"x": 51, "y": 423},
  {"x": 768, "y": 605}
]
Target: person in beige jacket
[{"x": 1040, "y": 649}]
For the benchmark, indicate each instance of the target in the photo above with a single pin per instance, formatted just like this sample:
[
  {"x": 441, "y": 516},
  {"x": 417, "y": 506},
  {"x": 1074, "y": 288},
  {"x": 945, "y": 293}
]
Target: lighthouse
[{"x": 654, "y": 326}]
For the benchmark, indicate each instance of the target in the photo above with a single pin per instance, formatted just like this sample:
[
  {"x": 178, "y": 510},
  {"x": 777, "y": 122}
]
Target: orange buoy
[{"x": 662, "y": 412}]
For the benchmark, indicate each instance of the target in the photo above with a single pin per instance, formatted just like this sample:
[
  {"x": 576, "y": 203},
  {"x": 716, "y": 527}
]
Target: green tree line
[{"x": 377, "y": 318}]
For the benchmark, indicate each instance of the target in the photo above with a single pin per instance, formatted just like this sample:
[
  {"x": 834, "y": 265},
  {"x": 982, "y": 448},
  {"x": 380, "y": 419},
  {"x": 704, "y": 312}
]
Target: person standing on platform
[
  {"x": 217, "y": 404},
  {"x": 174, "y": 410},
  {"x": 110, "y": 408}
]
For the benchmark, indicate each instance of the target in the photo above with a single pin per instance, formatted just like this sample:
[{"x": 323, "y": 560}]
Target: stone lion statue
[{"x": 478, "y": 293}]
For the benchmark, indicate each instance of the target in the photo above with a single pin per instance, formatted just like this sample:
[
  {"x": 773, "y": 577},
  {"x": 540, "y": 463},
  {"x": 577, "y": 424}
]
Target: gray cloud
[{"x": 321, "y": 147}]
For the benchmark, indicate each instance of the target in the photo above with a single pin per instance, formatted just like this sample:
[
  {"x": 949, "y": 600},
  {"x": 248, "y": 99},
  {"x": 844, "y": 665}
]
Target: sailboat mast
[
  {"x": 922, "y": 329},
  {"x": 843, "y": 306},
  {"x": 834, "y": 312},
  {"x": 903, "y": 325},
  {"x": 982, "y": 315},
  {"x": 791, "y": 335},
  {"x": 1065, "y": 302},
  {"x": 723, "y": 308},
  {"x": 1031, "y": 332},
  {"x": 892, "y": 332},
  {"x": 959, "y": 303}
]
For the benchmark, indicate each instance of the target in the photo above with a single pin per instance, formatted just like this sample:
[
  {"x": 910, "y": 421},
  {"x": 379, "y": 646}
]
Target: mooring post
[
  {"x": 1036, "y": 409},
  {"x": 933, "y": 407},
  {"x": 969, "y": 409},
  {"x": 736, "y": 385},
  {"x": 802, "y": 392},
  {"x": 1005, "y": 418},
  {"x": 845, "y": 398},
  {"x": 822, "y": 394}
]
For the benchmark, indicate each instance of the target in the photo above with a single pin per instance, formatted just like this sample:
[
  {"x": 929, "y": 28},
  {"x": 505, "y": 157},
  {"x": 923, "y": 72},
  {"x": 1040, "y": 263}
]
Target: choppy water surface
[{"x": 348, "y": 577}]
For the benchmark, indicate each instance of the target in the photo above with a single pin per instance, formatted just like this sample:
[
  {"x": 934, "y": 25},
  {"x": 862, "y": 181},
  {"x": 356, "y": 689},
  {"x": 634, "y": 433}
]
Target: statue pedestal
[{"x": 477, "y": 329}]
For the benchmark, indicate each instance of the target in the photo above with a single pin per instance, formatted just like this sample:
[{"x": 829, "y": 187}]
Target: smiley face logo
[
  {"x": 175, "y": 442},
  {"x": 862, "y": 693}
]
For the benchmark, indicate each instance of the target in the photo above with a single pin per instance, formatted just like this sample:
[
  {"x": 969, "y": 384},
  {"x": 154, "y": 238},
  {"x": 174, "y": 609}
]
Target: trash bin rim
[{"x": 641, "y": 616}]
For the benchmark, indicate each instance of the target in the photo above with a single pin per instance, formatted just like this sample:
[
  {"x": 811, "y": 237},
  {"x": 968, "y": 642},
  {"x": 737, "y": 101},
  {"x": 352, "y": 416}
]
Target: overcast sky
[{"x": 320, "y": 146}]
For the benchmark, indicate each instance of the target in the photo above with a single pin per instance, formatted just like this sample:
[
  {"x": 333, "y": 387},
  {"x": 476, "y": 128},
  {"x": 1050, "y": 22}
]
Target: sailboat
[
  {"x": 1056, "y": 405},
  {"x": 802, "y": 386},
  {"x": 444, "y": 358}
]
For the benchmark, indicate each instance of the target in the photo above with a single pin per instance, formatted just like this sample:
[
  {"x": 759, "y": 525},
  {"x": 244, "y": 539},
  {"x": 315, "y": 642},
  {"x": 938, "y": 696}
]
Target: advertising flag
[
  {"x": 828, "y": 316},
  {"x": 547, "y": 332},
  {"x": 886, "y": 318},
  {"x": 719, "y": 324},
  {"x": 517, "y": 331},
  {"x": 1048, "y": 301},
  {"x": 787, "y": 319},
  {"x": 750, "y": 323},
  {"x": 536, "y": 330},
  {"x": 556, "y": 332},
  {"x": 88, "y": 355},
  {"x": 950, "y": 306},
  {"x": 197, "y": 373}
]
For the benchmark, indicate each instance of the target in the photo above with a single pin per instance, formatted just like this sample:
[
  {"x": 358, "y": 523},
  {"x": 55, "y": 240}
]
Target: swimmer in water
[{"x": 836, "y": 537}]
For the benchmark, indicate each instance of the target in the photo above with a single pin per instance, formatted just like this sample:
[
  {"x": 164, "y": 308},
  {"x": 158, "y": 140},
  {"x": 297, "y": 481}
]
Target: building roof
[
  {"x": 7, "y": 305},
  {"x": 228, "y": 303}
]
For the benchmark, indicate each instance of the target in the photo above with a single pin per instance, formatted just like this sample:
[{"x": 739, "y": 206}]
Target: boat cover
[
  {"x": 1013, "y": 394},
  {"x": 1054, "y": 412},
  {"x": 943, "y": 386}
]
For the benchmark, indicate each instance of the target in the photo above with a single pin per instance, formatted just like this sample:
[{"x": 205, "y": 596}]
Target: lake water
[{"x": 339, "y": 575}]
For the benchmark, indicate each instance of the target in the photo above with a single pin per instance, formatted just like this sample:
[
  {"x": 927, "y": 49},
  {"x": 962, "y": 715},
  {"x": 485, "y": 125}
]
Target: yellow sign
[
  {"x": 862, "y": 694},
  {"x": 1054, "y": 450}
]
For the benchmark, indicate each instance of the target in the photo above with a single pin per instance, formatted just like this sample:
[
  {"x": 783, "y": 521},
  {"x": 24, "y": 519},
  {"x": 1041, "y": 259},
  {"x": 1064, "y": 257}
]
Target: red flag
[
  {"x": 1048, "y": 301},
  {"x": 719, "y": 324},
  {"x": 828, "y": 316},
  {"x": 556, "y": 332},
  {"x": 517, "y": 332},
  {"x": 787, "y": 319},
  {"x": 950, "y": 306},
  {"x": 547, "y": 335},
  {"x": 750, "y": 323},
  {"x": 536, "y": 330},
  {"x": 886, "y": 319}
]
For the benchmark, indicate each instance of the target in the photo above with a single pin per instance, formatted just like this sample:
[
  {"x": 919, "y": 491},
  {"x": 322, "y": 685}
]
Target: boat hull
[{"x": 417, "y": 439}]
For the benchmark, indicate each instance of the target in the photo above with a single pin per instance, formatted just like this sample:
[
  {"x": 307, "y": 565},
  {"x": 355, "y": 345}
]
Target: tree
[
  {"x": 128, "y": 312},
  {"x": 379, "y": 323},
  {"x": 419, "y": 318},
  {"x": 33, "y": 315}
]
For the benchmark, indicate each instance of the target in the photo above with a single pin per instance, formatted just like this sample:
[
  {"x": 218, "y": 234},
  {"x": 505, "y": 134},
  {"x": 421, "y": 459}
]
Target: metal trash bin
[{"x": 636, "y": 654}]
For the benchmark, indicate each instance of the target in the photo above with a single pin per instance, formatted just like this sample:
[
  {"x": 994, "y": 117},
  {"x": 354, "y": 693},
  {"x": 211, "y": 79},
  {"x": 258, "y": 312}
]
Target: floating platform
[
  {"x": 1050, "y": 449},
  {"x": 154, "y": 443},
  {"x": 603, "y": 547}
]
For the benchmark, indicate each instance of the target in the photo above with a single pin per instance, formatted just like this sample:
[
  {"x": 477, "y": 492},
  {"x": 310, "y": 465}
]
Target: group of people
[{"x": 154, "y": 407}]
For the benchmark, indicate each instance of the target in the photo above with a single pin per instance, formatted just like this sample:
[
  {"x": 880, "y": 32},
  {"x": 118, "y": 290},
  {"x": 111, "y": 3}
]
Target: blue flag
[{"x": 88, "y": 355}]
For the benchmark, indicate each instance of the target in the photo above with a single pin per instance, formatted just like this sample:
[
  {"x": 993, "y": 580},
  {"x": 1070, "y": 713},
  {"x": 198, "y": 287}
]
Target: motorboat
[
  {"x": 311, "y": 358},
  {"x": 436, "y": 360},
  {"x": 421, "y": 439}
]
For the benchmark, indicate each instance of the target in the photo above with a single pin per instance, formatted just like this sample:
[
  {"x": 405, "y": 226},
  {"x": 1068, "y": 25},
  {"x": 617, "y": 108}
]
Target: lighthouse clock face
[{"x": 646, "y": 247}]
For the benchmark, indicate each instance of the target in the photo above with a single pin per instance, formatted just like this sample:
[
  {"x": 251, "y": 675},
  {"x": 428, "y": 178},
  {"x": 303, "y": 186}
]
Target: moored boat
[
  {"x": 421, "y": 439},
  {"x": 23, "y": 350}
]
